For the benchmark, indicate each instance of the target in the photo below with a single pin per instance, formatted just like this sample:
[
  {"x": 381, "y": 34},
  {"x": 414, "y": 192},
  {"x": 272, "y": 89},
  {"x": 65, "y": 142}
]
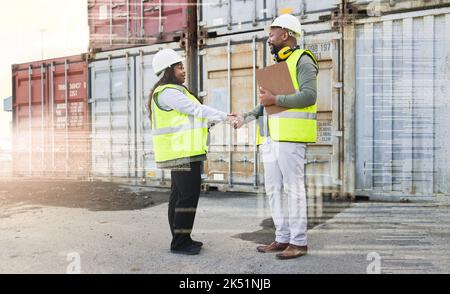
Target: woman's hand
[{"x": 231, "y": 117}]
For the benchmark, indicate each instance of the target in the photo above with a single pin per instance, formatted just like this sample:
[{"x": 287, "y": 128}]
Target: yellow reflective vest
[
  {"x": 296, "y": 124},
  {"x": 177, "y": 135}
]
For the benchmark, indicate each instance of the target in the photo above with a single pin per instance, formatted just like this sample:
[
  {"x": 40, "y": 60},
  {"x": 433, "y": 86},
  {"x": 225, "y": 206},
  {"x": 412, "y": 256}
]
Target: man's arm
[{"x": 253, "y": 114}]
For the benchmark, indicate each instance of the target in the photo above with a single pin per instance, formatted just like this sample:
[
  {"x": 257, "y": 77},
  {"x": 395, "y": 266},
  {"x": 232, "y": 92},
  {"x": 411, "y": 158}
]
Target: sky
[{"x": 32, "y": 29}]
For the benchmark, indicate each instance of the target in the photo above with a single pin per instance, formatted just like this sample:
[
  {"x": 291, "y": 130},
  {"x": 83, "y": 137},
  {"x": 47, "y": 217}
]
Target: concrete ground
[{"x": 361, "y": 237}]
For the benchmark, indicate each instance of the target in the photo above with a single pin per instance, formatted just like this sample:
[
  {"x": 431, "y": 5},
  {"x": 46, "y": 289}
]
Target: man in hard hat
[{"x": 282, "y": 138}]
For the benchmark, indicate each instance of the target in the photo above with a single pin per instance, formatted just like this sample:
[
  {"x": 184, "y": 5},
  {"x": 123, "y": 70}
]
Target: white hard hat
[
  {"x": 289, "y": 22},
  {"x": 164, "y": 59}
]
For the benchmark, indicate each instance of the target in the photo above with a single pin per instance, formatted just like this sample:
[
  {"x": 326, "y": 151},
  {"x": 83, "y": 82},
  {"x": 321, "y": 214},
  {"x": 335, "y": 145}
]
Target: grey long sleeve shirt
[{"x": 307, "y": 72}]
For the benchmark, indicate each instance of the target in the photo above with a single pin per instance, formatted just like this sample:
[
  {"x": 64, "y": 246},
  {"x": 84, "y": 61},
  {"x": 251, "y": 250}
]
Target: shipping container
[
  {"x": 51, "y": 118},
  {"x": 130, "y": 23},
  {"x": 122, "y": 149},
  {"x": 383, "y": 7},
  {"x": 218, "y": 18},
  {"x": 403, "y": 105},
  {"x": 227, "y": 82}
]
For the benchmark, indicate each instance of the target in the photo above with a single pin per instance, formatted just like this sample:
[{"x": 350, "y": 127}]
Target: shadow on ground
[{"x": 319, "y": 211}]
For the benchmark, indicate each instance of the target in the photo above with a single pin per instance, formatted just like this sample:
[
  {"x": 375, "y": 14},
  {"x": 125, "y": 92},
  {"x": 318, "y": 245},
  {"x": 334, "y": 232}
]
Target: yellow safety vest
[
  {"x": 177, "y": 135},
  {"x": 296, "y": 124}
]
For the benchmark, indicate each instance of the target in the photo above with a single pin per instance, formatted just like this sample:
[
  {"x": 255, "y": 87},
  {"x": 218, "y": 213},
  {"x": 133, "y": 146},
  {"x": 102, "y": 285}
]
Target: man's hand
[
  {"x": 266, "y": 98},
  {"x": 239, "y": 121}
]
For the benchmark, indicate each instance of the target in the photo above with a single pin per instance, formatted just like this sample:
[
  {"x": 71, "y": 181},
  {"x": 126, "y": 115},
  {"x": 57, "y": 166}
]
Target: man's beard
[{"x": 274, "y": 50}]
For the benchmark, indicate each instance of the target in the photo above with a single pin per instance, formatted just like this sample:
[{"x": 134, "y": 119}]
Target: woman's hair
[{"x": 167, "y": 78}]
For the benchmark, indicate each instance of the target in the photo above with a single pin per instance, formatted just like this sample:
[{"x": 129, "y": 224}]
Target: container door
[
  {"x": 161, "y": 19},
  {"x": 68, "y": 133},
  {"x": 228, "y": 83},
  {"x": 145, "y": 80},
  {"x": 151, "y": 13},
  {"x": 113, "y": 117},
  {"x": 324, "y": 161},
  {"x": 30, "y": 121},
  {"x": 307, "y": 10},
  {"x": 232, "y": 16},
  {"x": 110, "y": 22},
  {"x": 402, "y": 105}
]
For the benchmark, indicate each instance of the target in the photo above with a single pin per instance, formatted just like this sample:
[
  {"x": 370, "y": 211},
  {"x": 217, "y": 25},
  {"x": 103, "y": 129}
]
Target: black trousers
[{"x": 183, "y": 203}]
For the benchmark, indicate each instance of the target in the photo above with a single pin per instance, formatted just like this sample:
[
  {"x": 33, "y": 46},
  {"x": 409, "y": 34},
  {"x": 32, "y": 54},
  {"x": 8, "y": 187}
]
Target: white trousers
[{"x": 284, "y": 171}]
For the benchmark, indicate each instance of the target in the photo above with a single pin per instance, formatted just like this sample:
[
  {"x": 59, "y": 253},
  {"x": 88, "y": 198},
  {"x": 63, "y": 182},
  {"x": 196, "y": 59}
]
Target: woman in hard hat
[{"x": 180, "y": 129}]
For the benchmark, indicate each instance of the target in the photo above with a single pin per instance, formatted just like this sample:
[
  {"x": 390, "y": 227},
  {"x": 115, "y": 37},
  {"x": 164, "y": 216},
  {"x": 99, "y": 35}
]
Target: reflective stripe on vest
[
  {"x": 303, "y": 115},
  {"x": 188, "y": 126},
  {"x": 177, "y": 135},
  {"x": 295, "y": 124}
]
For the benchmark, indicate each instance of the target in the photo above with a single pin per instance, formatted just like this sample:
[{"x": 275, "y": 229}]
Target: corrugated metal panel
[
  {"x": 113, "y": 119},
  {"x": 227, "y": 68},
  {"x": 323, "y": 171},
  {"x": 383, "y": 7},
  {"x": 128, "y": 23},
  {"x": 51, "y": 118},
  {"x": 402, "y": 105},
  {"x": 234, "y": 16},
  {"x": 7, "y": 104},
  {"x": 121, "y": 81}
]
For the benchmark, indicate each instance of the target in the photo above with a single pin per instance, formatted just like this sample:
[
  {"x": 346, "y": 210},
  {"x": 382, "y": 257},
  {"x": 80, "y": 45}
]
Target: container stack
[
  {"x": 85, "y": 116},
  {"x": 121, "y": 78},
  {"x": 382, "y": 94}
]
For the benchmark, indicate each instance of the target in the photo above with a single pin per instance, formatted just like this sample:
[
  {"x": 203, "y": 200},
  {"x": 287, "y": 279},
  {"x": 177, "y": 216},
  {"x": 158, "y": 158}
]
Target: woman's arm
[{"x": 174, "y": 99}]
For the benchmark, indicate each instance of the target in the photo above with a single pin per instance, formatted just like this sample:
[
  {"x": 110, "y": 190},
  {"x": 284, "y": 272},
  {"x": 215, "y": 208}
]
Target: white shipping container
[
  {"x": 224, "y": 17},
  {"x": 383, "y": 7},
  {"x": 122, "y": 146},
  {"x": 402, "y": 105}
]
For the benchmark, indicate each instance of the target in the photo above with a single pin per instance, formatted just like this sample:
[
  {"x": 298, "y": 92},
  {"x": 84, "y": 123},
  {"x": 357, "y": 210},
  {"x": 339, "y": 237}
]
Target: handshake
[
  {"x": 235, "y": 120},
  {"x": 266, "y": 98}
]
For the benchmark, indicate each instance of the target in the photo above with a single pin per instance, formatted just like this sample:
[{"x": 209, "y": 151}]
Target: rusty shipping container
[
  {"x": 51, "y": 118},
  {"x": 122, "y": 148},
  {"x": 130, "y": 23},
  {"x": 227, "y": 81}
]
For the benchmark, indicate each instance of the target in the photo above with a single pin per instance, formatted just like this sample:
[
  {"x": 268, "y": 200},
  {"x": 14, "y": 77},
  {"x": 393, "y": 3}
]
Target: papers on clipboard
[{"x": 277, "y": 79}]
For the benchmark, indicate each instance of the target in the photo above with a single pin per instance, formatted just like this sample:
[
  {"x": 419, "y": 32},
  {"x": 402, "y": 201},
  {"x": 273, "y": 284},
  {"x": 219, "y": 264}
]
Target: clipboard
[{"x": 277, "y": 79}]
